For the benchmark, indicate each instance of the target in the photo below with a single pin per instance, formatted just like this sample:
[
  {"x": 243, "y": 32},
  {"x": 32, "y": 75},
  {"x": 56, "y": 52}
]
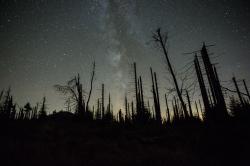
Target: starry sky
[{"x": 47, "y": 42}]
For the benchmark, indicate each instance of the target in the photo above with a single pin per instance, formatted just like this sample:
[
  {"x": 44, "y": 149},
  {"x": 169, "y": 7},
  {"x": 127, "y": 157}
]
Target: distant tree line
[{"x": 11, "y": 111}]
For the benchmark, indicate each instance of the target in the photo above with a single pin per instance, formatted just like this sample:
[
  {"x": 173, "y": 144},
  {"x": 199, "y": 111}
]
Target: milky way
[{"x": 47, "y": 42}]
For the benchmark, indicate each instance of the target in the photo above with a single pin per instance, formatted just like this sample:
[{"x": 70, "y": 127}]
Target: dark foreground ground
[{"x": 72, "y": 143}]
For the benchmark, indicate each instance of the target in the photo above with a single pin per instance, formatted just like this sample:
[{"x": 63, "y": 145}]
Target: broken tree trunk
[{"x": 202, "y": 88}]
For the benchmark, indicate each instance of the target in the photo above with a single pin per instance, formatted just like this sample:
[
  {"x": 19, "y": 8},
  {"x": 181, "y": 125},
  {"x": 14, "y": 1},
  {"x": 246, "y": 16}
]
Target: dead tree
[
  {"x": 128, "y": 116},
  {"x": 162, "y": 39},
  {"x": 133, "y": 112},
  {"x": 136, "y": 90},
  {"x": 189, "y": 105},
  {"x": 74, "y": 93},
  {"x": 176, "y": 110},
  {"x": 80, "y": 105},
  {"x": 103, "y": 108},
  {"x": 27, "y": 110},
  {"x": 1, "y": 95},
  {"x": 43, "y": 112},
  {"x": 158, "y": 116},
  {"x": 197, "y": 110},
  {"x": 215, "y": 87},
  {"x": 98, "y": 112},
  {"x": 126, "y": 109},
  {"x": 202, "y": 88},
  {"x": 210, "y": 98},
  {"x": 238, "y": 91},
  {"x": 142, "y": 106},
  {"x": 148, "y": 107},
  {"x": 201, "y": 110},
  {"x": 246, "y": 89},
  {"x": 168, "y": 113},
  {"x": 155, "y": 92},
  {"x": 109, "y": 105},
  {"x": 91, "y": 86},
  {"x": 120, "y": 116}
]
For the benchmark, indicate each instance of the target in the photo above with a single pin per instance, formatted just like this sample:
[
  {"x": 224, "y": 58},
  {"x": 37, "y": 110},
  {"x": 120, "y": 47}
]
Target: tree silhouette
[
  {"x": 27, "y": 110},
  {"x": 162, "y": 40},
  {"x": 43, "y": 112},
  {"x": 91, "y": 86}
]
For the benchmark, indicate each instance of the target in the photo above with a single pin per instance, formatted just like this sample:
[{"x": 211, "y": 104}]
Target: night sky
[{"x": 47, "y": 42}]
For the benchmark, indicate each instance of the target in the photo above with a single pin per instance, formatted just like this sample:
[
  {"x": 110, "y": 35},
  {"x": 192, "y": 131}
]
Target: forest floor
[{"x": 73, "y": 143}]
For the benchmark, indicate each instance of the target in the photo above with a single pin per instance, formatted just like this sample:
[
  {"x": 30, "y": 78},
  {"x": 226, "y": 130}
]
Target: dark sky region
[{"x": 47, "y": 42}]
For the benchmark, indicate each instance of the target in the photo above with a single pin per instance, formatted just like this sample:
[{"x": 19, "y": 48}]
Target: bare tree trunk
[
  {"x": 129, "y": 112},
  {"x": 133, "y": 113},
  {"x": 163, "y": 43},
  {"x": 149, "y": 110},
  {"x": 126, "y": 109},
  {"x": 215, "y": 87},
  {"x": 142, "y": 96},
  {"x": 196, "y": 106},
  {"x": 109, "y": 110},
  {"x": 103, "y": 101},
  {"x": 136, "y": 89},
  {"x": 168, "y": 114},
  {"x": 189, "y": 105},
  {"x": 98, "y": 114},
  {"x": 91, "y": 86},
  {"x": 201, "y": 109},
  {"x": 153, "y": 90},
  {"x": 176, "y": 108},
  {"x": 202, "y": 88},
  {"x": 238, "y": 92},
  {"x": 158, "y": 113},
  {"x": 245, "y": 85}
]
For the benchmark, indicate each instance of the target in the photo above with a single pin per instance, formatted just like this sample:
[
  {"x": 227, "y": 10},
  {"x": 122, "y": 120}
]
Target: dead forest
[
  {"x": 209, "y": 130},
  {"x": 210, "y": 108}
]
